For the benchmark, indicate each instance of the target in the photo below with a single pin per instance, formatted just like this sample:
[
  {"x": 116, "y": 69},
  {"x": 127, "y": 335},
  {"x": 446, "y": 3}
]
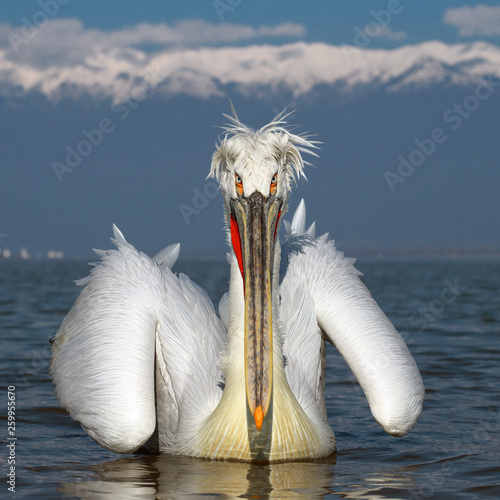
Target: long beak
[{"x": 253, "y": 230}]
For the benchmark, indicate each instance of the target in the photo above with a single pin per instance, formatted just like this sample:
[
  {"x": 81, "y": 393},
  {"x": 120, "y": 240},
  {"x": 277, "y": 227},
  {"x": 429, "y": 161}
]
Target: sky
[
  {"x": 382, "y": 75},
  {"x": 326, "y": 21}
]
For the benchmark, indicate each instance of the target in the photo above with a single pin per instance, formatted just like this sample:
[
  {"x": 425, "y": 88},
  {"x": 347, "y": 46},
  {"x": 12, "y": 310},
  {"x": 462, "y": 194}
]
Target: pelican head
[{"x": 255, "y": 170}]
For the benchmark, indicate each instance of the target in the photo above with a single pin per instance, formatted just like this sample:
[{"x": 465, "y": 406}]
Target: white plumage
[{"x": 142, "y": 358}]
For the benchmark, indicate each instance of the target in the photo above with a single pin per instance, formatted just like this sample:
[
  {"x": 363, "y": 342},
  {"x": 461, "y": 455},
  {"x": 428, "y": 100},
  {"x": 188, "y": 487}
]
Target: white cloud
[
  {"x": 479, "y": 20},
  {"x": 62, "y": 42},
  {"x": 69, "y": 37},
  {"x": 196, "y": 32},
  {"x": 385, "y": 32}
]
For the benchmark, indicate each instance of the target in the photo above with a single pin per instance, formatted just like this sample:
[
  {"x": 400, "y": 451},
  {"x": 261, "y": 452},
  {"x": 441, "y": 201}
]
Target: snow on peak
[{"x": 64, "y": 55}]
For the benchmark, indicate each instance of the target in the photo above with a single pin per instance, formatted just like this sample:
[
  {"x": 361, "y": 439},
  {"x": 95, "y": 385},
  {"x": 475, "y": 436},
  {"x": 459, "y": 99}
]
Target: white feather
[
  {"x": 299, "y": 219},
  {"x": 353, "y": 322},
  {"x": 302, "y": 348},
  {"x": 167, "y": 257},
  {"x": 104, "y": 352}
]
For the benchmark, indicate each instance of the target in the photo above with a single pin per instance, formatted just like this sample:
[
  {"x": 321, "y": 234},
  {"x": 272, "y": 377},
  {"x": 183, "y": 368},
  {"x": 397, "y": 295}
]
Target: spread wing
[
  {"x": 138, "y": 346},
  {"x": 350, "y": 319}
]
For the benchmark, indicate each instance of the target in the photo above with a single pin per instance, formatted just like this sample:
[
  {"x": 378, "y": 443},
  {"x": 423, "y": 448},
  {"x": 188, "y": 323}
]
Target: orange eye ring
[
  {"x": 274, "y": 184},
  {"x": 239, "y": 184}
]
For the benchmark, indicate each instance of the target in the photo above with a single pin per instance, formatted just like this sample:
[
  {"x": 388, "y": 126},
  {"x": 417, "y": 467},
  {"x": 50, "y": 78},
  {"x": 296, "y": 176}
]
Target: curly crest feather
[{"x": 272, "y": 146}]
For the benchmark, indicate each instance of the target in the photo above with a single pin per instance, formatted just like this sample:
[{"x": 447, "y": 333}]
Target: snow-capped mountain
[{"x": 65, "y": 58}]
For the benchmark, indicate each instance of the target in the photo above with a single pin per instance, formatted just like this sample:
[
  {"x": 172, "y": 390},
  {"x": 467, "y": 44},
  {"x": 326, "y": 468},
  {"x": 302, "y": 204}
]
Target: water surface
[{"x": 447, "y": 311}]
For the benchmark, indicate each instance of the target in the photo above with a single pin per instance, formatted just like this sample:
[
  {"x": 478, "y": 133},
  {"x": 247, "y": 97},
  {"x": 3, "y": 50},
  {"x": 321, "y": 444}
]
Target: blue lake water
[{"x": 448, "y": 312}]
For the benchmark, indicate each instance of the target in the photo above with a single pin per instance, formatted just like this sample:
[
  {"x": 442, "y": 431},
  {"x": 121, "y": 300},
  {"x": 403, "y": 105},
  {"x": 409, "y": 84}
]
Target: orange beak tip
[{"x": 258, "y": 417}]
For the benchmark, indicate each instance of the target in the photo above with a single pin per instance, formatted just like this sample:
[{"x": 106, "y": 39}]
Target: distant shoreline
[{"x": 218, "y": 255}]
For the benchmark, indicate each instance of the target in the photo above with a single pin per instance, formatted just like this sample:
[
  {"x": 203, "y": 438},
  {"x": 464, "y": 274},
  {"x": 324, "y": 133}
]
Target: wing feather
[
  {"x": 192, "y": 340},
  {"x": 302, "y": 345},
  {"x": 137, "y": 338},
  {"x": 104, "y": 352},
  {"x": 352, "y": 321}
]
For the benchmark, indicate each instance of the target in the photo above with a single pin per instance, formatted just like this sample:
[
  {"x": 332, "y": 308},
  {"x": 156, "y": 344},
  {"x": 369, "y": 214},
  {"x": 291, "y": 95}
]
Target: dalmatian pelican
[{"x": 143, "y": 360}]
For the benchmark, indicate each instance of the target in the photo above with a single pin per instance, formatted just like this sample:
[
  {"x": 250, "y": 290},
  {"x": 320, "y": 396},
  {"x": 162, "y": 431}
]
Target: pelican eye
[
  {"x": 239, "y": 184},
  {"x": 274, "y": 182}
]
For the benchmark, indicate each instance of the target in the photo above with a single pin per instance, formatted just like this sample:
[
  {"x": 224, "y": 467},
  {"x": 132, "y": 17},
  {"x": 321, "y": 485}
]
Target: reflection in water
[{"x": 164, "y": 476}]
